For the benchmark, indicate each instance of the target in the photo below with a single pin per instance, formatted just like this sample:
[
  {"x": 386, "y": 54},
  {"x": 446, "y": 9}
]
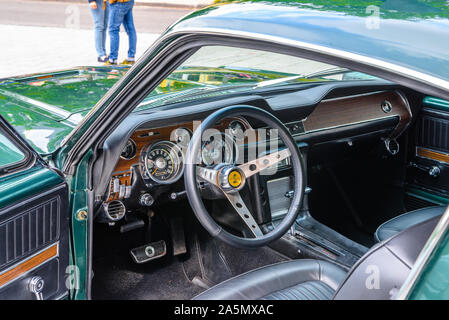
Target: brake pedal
[{"x": 149, "y": 252}]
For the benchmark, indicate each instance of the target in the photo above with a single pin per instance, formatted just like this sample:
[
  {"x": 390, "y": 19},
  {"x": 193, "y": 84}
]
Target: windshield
[{"x": 220, "y": 70}]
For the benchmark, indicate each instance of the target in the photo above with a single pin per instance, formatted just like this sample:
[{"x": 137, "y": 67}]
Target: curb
[{"x": 148, "y": 3}]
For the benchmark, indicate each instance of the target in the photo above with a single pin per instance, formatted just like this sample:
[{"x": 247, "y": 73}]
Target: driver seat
[{"x": 377, "y": 275}]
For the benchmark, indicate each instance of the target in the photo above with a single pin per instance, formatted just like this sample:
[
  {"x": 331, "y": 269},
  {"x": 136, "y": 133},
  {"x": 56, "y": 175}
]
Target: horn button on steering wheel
[{"x": 231, "y": 179}]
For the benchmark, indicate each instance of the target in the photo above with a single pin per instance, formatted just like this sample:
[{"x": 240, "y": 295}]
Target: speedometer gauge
[{"x": 163, "y": 162}]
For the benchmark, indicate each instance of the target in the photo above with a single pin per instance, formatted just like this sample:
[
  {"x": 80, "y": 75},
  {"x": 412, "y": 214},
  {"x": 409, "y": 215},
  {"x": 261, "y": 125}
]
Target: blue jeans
[
  {"x": 122, "y": 12},
  {"x": 101, "y": 18}
]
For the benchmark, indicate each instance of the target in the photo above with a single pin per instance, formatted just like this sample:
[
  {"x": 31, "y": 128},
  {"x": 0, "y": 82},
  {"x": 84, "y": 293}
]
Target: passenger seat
[{"x": 405, "y": 221}]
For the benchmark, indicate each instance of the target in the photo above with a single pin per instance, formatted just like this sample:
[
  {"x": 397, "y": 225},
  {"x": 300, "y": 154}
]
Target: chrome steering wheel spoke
[
  {"x": 255, "y": 166},
  {"x": 237, "y": 202},
  {"x": 207, "y": 175}
]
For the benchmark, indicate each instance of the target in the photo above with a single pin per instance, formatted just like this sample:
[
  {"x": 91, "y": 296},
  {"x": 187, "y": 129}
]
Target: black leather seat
[
  {"x": 377, "y": 275},
  {"x": 405, "y": 221},
  {"x": 291, "y": 280}
]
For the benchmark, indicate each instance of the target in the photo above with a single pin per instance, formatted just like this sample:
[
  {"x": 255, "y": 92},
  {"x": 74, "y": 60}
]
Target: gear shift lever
[{"x": 304, "y": 210}]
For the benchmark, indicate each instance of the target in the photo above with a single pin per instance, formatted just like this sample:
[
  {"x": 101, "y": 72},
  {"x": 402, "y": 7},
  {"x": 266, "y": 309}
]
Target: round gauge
[
  {"x": 129, "y": 151},
  {"x": 218, "y": 148},
  {"x": 181, "y": 136},
  {"x": 237, "y": 129},
  {"x": 163, "y": 162}
]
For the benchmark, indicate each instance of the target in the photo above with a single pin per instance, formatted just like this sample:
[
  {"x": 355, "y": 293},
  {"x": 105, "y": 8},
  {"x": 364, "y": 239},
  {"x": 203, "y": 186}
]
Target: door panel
[
  {"x": 428, "y": 171},
  {"x": 34, "y": 226},
  {"x": 34, "y": 241}
]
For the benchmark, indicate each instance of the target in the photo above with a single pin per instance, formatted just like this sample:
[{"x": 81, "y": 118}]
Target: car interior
[{"x": 354, "y": 170}]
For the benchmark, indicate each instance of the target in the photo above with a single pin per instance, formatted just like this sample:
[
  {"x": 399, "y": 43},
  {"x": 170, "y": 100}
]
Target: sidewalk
[
  {"x": 42, "y": 49},
  {"x": 177, "y": 3},
  {"x": 189, "y": 4},
  {"x": 40, "y": 36}
]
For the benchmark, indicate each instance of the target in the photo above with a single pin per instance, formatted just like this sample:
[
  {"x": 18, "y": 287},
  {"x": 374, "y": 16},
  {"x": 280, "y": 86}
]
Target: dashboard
[
  {"x": 157, "y": 156},
  {"x": 153, "y": 156}
]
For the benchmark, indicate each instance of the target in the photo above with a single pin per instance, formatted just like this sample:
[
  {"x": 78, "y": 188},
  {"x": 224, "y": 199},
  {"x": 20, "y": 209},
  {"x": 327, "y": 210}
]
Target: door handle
[
  {"x": 36, "y": 285},
  {"x": 433, "y": 171}
]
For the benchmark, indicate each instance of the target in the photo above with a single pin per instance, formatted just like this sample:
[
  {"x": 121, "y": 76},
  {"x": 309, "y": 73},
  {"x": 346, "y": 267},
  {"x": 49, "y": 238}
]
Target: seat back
[{"x": 380, "y": 273}]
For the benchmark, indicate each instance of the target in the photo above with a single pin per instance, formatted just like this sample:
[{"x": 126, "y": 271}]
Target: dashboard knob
[
  {"x": 434, "y": 172},
  {"x": 146, "y": 200}
]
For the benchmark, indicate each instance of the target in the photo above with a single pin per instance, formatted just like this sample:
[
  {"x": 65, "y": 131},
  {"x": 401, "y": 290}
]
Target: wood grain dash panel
[
  {"x": 433, "y": 155},
  {"x": 346, "y": 111}
]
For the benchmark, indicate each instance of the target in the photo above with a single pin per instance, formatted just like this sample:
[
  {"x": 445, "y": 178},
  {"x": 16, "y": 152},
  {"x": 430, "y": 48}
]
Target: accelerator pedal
[{"x": 149, "y": 252}]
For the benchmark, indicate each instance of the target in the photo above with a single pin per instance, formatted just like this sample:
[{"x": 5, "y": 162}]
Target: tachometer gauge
[
  {"x": 163, "y": 162},
  {"x": 217, "y": 149}
]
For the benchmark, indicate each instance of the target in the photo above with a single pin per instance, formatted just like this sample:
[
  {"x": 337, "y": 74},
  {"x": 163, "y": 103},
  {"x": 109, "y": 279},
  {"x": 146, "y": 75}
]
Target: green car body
[
  {"x": 45, "y": 108},
  {"x": 52, "y": 111}
]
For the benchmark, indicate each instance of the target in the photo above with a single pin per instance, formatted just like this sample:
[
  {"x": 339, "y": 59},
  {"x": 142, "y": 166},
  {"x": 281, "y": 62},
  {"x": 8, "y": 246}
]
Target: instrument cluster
[
  {"x": 156, "y": 158},
  {"x": 163, "y": 161}
]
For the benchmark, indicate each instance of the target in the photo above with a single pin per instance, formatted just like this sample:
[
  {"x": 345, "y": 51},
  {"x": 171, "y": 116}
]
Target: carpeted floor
[
  {"x": 120, "y": 278},
  {"x": 116, "y": 276}
]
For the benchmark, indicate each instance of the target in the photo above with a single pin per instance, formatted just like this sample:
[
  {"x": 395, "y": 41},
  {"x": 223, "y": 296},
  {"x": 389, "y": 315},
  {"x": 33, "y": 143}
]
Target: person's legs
[
  {"x": 100, "y": 28},
  {"x": 128, "y": 23},
  {"x": 116, "y": 16},
  {"x": 105, "y": 22}
]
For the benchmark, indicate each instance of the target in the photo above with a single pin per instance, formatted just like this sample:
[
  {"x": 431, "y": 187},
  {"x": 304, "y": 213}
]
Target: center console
[{"x": 307, "y": 238}]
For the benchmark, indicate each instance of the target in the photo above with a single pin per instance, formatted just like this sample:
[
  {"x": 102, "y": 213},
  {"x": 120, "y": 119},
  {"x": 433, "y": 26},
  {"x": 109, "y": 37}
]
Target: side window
[{"x": 11, "y": 154}]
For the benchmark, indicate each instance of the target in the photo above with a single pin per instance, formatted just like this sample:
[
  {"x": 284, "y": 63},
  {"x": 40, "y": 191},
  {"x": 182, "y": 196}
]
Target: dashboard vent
[{"x": 115, "y": 210}]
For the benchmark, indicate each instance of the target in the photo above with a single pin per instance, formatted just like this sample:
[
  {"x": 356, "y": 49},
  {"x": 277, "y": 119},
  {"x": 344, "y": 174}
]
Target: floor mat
[
  {"x": 120, "y": 278},
  {"x": 116, "y": 276},
  {"x": 214, "y": 261}
]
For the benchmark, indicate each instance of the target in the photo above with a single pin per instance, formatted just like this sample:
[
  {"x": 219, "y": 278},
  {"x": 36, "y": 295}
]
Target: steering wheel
[{"x": 229, "y": 179}]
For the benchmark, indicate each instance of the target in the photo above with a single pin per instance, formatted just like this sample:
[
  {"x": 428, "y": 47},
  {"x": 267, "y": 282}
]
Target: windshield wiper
[
  {"x": 322, "y": 73},
  {"x": 277, "y": 81},
  {"x": 327, "y": 72}
]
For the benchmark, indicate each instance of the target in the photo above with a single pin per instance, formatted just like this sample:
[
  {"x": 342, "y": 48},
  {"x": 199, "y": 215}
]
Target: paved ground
[
  {"x": 77, "y": 15},
  {"x": 41, "y": 36},
  {"x": 44, "y": 36},
  {"x": 41, "y": 49}
]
